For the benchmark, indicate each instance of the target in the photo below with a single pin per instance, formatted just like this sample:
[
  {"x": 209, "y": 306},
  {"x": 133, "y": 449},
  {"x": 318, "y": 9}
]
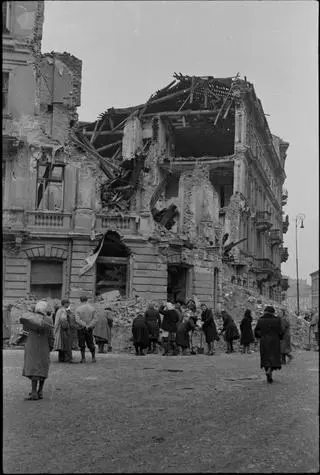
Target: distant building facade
[
  {"x": 315, "y": 289},
  {"x": 304, "y": 295}
]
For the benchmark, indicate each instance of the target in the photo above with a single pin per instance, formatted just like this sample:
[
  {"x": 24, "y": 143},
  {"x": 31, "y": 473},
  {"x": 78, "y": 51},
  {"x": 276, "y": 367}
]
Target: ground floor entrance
[{"x": 179, "y": 283}]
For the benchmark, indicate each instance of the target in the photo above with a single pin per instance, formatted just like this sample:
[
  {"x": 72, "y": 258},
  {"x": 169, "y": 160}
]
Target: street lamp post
[{"x": 299, "y": 219}]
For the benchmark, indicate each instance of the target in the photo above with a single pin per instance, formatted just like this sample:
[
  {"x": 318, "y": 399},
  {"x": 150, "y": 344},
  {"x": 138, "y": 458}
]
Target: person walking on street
[
  {"x": 37, "y": 353},
  {"x": 285, "y": 344},
  {"x": 140, "y": 334},
  {"x": 62, "y": 333},
  {"x": 230, "y": 330},
  {"x": 269, "y": 331},
  {"x": 247, "y": 336},
  {"x": 86, "y": 318},
  {"x": 209, "y": 328},
  {"x": 153, "y": 322},
  {"x": 169, "y": 327}
]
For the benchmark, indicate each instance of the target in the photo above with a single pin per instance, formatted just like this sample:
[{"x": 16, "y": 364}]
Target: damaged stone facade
[
  {"x": 51, "y": 183},
  {"x": 198, "y": 169},
  {"x": 165, "y": 200}
]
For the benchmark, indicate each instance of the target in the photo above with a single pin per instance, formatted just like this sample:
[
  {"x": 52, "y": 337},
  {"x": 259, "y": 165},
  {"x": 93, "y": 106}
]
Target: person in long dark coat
[
  {"x": 270, "y": 333},
  {"x": 169, "y": 326},
  {"x": 285, "y": 344},
  {"x": 37, "y": 353},
  {"x": 183, "y": 328},
  {"x": 140, "y": 334},
  {"x": 246, "y": 331},
  {"x": 153, "y": 321},
  {"x": 209, "y": 328},
  {"x": 230, "y": 330}
]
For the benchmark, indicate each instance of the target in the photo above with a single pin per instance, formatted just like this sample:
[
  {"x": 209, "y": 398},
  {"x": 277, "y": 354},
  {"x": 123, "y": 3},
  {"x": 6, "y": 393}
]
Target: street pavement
[{"x": 128, "y": 414}]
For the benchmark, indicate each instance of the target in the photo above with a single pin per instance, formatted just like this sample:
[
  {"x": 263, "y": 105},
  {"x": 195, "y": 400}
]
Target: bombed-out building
[
  {"x": 166, "y": 199},
  {"x": 193, "y": 192}
]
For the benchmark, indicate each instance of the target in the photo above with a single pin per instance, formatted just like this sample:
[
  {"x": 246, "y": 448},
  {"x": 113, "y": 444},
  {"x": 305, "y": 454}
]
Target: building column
[{"x": 240, "y": 174}]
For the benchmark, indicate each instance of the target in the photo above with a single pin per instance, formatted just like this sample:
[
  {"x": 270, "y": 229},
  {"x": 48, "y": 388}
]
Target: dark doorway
[{"x": 178, "y": 283}]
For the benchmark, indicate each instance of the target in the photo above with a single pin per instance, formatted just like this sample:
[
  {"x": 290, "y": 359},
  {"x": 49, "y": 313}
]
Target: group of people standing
[
  {"x": 73, "y": 331},
  {"x": 178, "y": 324}
]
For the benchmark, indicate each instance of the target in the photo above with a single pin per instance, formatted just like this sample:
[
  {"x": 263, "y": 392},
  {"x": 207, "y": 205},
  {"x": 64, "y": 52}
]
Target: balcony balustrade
[
  {"x": 48, "y": 219},
  {"x": 13, "y": 219},
  {"x": 275, "y": 237},
  {"x": 263, "y": 221},
  {"x": 124, "y": 224},
  {"x": 264, "y": 265}
]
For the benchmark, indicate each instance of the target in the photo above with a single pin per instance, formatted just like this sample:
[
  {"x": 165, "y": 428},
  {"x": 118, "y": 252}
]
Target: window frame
[
  {"x": 49, "y": 180},
  {"x": 52, "y": 259},
  {"x": 7, "y": 24},
  {"x": 5, "y": 108}
]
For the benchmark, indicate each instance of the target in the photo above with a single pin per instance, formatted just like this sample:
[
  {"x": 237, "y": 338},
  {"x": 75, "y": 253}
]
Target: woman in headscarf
[
  {"x": 285, "y": 344},
  {"x": 140, "y": 334},
  {"x": 153, "y": 322},
  {"x": 230, "y": 330},
  {"x": 209, "y": 328},
  {"x": 246, "y": 331},
  {"x": 37, "y": 349},
  {"x": 269, "y": 330}
]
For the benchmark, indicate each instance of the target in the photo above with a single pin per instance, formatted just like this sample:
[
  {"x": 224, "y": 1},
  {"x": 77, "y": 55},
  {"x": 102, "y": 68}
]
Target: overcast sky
[{"x": 131, "y": 49}]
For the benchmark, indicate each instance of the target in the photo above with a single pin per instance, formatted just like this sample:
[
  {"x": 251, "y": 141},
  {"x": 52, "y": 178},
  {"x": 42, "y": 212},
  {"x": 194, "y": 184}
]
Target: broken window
[
  {"x": 221, "y": 179},
  {"x": 6, "y": 17},
  {"x": 172, "y": 187},
  {"x": 46, "y": 279},
  {"x": 5, "y": 91},
  {"x": 50, "y": 186},
  {"x": 179, "y": 283},
  {"x": 112, "y": 271}
]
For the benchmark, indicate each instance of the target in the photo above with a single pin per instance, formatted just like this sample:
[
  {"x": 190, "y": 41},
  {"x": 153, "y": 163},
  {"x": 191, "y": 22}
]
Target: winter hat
[
  {"x": 269, "y": 309},
  {"x": 41, "y": 307}
]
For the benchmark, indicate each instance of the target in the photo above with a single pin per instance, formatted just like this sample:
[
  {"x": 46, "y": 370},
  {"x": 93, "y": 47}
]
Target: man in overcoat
[{"x": 269, "y": 331}]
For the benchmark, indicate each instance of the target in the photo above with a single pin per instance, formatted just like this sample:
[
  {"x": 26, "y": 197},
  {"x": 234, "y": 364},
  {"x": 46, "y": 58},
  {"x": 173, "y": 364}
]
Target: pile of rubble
[{"x": 236, "y": 300}]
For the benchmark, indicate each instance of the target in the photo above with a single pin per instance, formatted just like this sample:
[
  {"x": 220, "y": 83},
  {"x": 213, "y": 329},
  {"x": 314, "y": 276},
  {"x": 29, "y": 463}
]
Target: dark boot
[
  {"x": 137, "y": 350},
  {"x": 83, "y": 356},
  {"x": 93, "y": 353},
  {"x": 154, "y": 347}
]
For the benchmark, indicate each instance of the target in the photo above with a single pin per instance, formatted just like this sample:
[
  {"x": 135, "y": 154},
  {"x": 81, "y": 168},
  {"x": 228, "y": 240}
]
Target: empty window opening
[
  {"x": 46, "y": 279},
  {"x": 112, "y": 270},
  {"x": 5, "y": 91},
  {"x": 50, "y": 178},
  {"x": 172, "y": 187},
  {"x": 178, "y": 283},
  {"x": 221, "y": 179}
]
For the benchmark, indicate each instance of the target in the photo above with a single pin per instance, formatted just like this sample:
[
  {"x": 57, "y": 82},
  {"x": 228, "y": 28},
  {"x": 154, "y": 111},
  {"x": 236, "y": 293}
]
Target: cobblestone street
[{"x": 154, "y": 414}]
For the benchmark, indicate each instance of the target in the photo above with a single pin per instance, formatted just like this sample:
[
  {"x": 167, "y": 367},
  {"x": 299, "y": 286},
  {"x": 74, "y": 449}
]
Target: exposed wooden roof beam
[
  {"x": 105, "y": 132},
  {"x": 183, "y": 113},
  {"x": 107, "y": 147}
]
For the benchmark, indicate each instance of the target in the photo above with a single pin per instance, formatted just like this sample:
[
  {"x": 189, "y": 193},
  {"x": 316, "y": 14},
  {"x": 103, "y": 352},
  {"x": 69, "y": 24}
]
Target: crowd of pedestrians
[{"x": 170, "y": 328}]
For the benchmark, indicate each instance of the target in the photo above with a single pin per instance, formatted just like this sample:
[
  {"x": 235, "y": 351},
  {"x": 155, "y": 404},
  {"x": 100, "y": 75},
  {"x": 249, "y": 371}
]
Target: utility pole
[{"x": 299, "y": 219}]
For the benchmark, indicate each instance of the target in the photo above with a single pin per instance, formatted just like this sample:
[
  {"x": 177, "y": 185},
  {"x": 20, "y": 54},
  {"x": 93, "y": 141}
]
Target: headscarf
[{"x": 41, "y": 307}]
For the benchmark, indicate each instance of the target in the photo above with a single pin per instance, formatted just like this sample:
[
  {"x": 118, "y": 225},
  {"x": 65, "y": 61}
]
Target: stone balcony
[
  {"x": 285, "y": 224},
  {"x": 275, "y": 237},
  {"x": 263, "y": 221},
  {"x": 284, "y": 254},
  {"x": 284, "y": 197},
  {"x": 122, "y": 224},
  {"x": 263, "y": 265},
  {"x": 52, "y": 220}
]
